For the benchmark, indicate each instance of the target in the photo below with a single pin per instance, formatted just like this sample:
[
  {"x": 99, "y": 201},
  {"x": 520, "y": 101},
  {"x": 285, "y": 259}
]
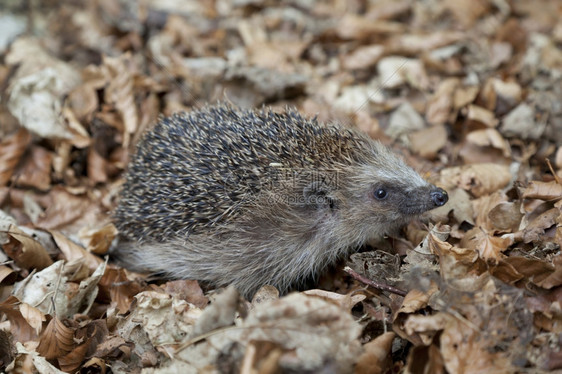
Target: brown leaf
[
  {"x": 464, "y": 96},
  {"x": 187, "y": 290},
  {"x": 363, "y": 57},
  {"x": 548, "y": 191},
  {"x": 119, "y": 92},
  {"x": 356, "y": 27},
  {"x": 64, "y": 208},
  {"x": 489, "y": 247},
  {"x": 554, "y": 279},
  {"x": 7, "y": 275},
  {"x": 33, "y": 316},
  {"x": 97, "y": 167},
  {"x": 19, "y": 327},
  {"x": 440, "y": 105},
  {"x": 83, "y": 101},
  {"x": 72, "y": 360},
  {"x": 12, "y": 148},
  {"x": 491, "y": 138},
  {"x": 463, "y": 351},
  {"x": 113, "y": 347},
  {"x": 479, "y": 179},
  {"x": 26, "y": 251},
  {"x": 506, "y": 216},
  {"x": 116, "y": 287},
  {"x": 375, "y": 356},
  {"x": 73, "y": 251},
  {"x": 483, "y": 205},
  {"x": 427, "y": 142},
  {"x": 481, "y": 115},
  {"x": 98, "y": 240},
  {"x": 36, "y": 169},
  {"x": 57, "y": 340},
  {"x": 536, "y": 228}
]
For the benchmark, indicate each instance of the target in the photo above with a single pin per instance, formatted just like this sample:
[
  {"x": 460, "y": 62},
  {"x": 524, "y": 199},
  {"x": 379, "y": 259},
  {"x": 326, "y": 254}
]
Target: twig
[{"x": 369, "y": 282}]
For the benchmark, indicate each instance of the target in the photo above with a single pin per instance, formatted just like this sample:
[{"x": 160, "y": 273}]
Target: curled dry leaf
[
  {"x": 479, "y": 179},
  {"x": 375, "y": 357},
  {"x": 37, "y": 89},
  {"x": 489, "y": 138},
  {"x": 440, "y": 106},
  {"x": 506, "y": 216},
  {"x": 57, "y": 340},
  {"x": 51, "y": 286},
  {"x": 73, "y": 251},
  {"x": 117, "y": 287},
  {"x": 489, "y": 247},
  {"x": 26, "y": 251},
  {"x": 394, "y": 71},
  {"x": 12, "y": 149},
  {"x": 548, "y": 191},
  {"x": 311, "y": 331},
  {"x": 414, "y": 301},
  {"x": 403, "y": 121},
  {"x": 119, "y": 92},
  {"x": 36, "y": 169},
  {"x": 427, "y": 142},
  {"x": 535, "y": 230},
  {"x": 454, "y": 261},
  {"x": 520, "y": 122},
  {"x": 346, "y": 302},
  {"x": 20, "y": 328},
  {"x": 187, "y": 290},
  {"x": 39, "y": 362},
  {"x": 481, "y": 115},
  {"x": 73, "y": 359},
  {"x": 98, "y": 240},
  {"x": 483, "y": 205},
  {"x": 33, "y": 316},
  {"x": 463, "y": 351},
  {"x": 363, "y": 57},
  {"x": 166, "y": 319}
]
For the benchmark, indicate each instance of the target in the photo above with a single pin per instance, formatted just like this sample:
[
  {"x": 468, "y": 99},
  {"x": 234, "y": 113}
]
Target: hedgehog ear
[{"x": 319, "y": 195}]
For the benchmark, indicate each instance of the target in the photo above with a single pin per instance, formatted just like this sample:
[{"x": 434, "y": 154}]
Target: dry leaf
[
  {"x": 26, "y": 251},
  {"x": 36, "y": 169},
  {"x": 98, "y": 240},
  {"x": 441, "y": 103},
  {"x": 57, "y": 340},
  {"x": 375, "y": 358},
  {"x": 429, "y": 141},
  {"x": 489, "y": 137},
  {"x": 481, "y": 115},
  {"x": 479, "y": 179},
  {"x": 363, "y": 57},
  {"x": 12, "y": 148},
  {"x": 489, "y": 247},
  {"x": 548, "y": 191},
  {"x": 520, "y": 122},
  {"x": 73, "y": 251},
  {"x": 19, "y": 325}
]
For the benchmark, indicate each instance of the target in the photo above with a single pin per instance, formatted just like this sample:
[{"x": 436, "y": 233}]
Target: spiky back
[{"x": 199, "y": 169}]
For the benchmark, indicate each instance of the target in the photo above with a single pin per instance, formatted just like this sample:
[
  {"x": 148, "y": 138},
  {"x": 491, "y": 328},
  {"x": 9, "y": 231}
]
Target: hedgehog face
[{"x": 386, "y": 198}]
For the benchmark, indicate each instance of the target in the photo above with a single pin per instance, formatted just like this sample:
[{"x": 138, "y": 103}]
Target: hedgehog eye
[{"x": 380, "y": 194}]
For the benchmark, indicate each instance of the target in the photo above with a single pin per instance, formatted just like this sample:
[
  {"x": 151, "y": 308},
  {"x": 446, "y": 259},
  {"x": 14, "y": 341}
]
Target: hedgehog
[{"x": 255, "y": 197}]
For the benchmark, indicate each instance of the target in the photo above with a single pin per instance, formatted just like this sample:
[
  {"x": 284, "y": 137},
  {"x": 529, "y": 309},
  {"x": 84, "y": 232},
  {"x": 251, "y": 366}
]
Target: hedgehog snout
[{"x": 439, "y": 196}]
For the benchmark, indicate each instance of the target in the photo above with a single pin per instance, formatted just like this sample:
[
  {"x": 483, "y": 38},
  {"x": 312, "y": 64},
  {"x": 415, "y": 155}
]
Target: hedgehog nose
[{"x": 439, "y": 196}]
